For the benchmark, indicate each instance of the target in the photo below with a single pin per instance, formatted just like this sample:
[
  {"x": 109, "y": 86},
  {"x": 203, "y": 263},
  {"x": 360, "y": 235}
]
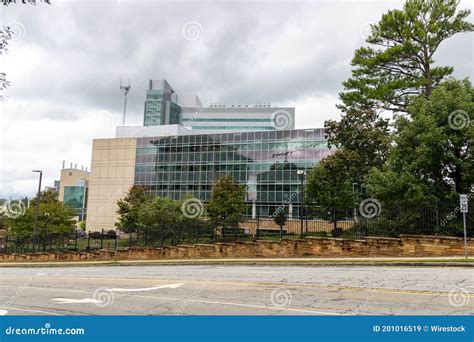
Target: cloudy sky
[{"x": 66, "y": 60}]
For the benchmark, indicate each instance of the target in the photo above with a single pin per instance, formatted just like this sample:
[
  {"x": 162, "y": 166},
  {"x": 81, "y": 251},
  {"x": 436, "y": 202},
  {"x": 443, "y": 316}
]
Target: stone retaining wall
[{"x": 405, "y": 246}]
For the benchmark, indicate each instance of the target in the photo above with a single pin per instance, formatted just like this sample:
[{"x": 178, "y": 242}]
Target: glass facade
[
  {"x": 228, "y": 120},
  {"x": 154, "y": 112},
  {"x": 234, "y": 128},
  {"x": 266, "y": 162},
  {"x": 75, "y": 197},
  {"x": 175, "y": 114}
]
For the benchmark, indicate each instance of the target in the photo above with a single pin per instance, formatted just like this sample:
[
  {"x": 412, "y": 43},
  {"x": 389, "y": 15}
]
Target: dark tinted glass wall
[{"x": 265, "y": 162}]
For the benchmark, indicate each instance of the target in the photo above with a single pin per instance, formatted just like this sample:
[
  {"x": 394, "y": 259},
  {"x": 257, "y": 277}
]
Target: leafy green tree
[
  {"x": 227, "y": 206},
  {"x": 397, "y": 66},
  {"x": 330, "y": 183},
  {"x": 47, "y": 196},
  {"x": 159, "y": 212},
  {"x": 82, "y": 225},
  {"x": 3, "y": 221},
  {"x": 5, "y": 35},
  {"x": 433, "y": 154},
  {"x": 280, "y": 219},
  {"x": 391, "y": 188},
  {"x": 162, "y": 218},
  {"x": 399, "y": 63},
  {"x": 129, "y": 207},
  {"x": 60, "y": 218},
  {"x": 362, "y": 132}
]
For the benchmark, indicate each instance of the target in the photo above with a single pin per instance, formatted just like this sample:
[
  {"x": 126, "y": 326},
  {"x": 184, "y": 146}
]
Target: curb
[{"x": 307, "y": 263}]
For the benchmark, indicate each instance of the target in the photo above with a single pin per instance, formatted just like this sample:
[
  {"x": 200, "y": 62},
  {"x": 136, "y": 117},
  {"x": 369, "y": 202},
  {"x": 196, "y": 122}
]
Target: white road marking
[
  {"x": 77, "y": 301},
  {"x": 3, "y": 312},
  {"x": 115, "y": 289},
  {"x": 170, "y": 286},
  {"x": 31, "y": 310}
]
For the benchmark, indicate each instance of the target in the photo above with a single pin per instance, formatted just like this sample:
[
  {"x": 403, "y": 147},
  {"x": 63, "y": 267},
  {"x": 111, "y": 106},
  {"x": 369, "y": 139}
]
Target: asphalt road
[{"x": 237, "y": 290}]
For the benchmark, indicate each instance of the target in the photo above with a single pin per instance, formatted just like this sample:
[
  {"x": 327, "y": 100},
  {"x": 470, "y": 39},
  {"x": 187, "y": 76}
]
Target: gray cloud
[{"x": 65, "y": 68}]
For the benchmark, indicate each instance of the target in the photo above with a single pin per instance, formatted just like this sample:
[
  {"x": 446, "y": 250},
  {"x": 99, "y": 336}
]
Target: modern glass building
[
  {"x": 266, "y": 162},
  {"x": 73, "y": 188},
  {"x": 163, "y": 106},
  {"x": 238, "y": 118},
  {"x": 160, "y": 105},
  {"x": 76, "y": 197},
  {"x": 185, "y": 147}
]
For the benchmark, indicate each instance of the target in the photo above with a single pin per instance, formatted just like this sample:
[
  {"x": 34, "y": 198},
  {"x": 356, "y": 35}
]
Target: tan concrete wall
[
  {"x": 68, "y": 178},
  {"x": 112, "y": 175},
  {"x": 405, "y": 246}
]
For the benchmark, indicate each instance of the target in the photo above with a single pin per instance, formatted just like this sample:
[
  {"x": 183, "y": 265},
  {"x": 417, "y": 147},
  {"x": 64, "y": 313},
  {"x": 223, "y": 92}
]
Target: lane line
[
  {"x": 304, "y": 310},
  {"x": 253, "y": 306},
  {"x": 30, "y": 310},
  {"x": 243, "y": 283},
  {"x": 261, "y": 307}
]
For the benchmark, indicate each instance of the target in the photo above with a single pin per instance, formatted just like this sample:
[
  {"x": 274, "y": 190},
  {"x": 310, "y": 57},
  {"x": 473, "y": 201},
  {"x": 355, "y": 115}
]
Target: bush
[
  {"x": 95, "y": 235},
  {"x": 111, "y": 234}
]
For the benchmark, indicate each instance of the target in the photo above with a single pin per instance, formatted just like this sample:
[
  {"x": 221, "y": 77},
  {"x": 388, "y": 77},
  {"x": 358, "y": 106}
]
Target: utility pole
[
  {"x": 125, "y": 90},
  {"x": 37, "y": 207}
]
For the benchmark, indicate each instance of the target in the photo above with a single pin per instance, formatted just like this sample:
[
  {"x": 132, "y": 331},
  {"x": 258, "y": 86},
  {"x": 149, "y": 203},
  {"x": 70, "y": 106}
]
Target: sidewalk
[{"x": 377, "y": 261}]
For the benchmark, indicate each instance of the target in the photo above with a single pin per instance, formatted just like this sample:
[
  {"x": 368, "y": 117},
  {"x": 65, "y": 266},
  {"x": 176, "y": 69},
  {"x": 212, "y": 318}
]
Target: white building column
[
  {"x": 254, "y": 210},
  {"x": 290, "y": 211}
]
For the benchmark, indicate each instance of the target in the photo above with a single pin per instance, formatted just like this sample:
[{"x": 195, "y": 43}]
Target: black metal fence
[{"x": 442, "y": 219}]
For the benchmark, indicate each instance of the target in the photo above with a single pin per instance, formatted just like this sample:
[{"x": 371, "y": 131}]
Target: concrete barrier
[{"x": 405, "y": 246}]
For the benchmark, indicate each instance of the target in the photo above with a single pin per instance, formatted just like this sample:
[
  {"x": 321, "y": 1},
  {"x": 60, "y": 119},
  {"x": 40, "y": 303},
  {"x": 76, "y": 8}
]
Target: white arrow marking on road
[
  {"x": 3, "y": 312},
  {"x": 170, "y": 286},
  {"x": 76, "y": 301},
  {"x": 116, "y": 289}
]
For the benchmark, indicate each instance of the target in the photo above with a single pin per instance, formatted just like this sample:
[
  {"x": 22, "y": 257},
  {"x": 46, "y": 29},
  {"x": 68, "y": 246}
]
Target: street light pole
[
  {"x": 46, "y": 218},
  {"x": 354, "y": 200},
  {"x": 37, "y": 207},
  {"x": 302, "y": 174}
]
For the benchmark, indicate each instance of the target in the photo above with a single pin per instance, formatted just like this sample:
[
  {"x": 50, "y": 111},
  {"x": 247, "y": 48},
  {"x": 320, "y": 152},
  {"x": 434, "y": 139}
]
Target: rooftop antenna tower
[{"x": 125, "y": 89}]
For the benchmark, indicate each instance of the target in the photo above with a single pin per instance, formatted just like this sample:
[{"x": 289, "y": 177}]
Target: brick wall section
[{"x": 405, "y": 246}]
